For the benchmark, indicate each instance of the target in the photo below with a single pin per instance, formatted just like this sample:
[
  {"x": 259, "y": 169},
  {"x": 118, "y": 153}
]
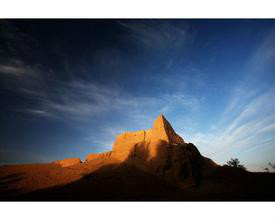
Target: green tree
[{"x": 235, "y": 163}]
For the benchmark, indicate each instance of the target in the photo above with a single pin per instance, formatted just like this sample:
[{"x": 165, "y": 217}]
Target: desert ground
[
  {"x": 152, "y": 165},
  {"x": 105, "y": 180}
]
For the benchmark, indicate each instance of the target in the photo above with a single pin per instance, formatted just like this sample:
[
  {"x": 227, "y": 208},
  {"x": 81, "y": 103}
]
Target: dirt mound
[
  {"x": 106, "y": 179},
  {"x": 158, "y": 151},
  {"x": 162, "y": 152},
  {"x": 68, "y": 162},
  {"x": 98, "y": 156},
  {"x": 162, "y": 130},
  {"x": 156, "y": 164}
]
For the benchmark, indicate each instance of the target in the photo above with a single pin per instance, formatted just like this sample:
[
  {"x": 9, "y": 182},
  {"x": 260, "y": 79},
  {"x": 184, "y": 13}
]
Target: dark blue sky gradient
[{"x": 68, "y": 87}]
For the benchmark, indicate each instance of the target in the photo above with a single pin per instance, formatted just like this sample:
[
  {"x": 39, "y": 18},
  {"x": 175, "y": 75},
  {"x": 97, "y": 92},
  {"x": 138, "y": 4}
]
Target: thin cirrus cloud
[
  {"x": 247, "y": 122},
  {"x": 80, "y": 100},
  {"x": 16, "y": 69},
  {"x": 155, "y": 35},
  {"x": 250, "y": 128}
]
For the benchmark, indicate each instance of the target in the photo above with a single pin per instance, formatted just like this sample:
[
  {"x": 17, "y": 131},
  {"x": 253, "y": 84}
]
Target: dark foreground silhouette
[{"x": 108, "y": 180}]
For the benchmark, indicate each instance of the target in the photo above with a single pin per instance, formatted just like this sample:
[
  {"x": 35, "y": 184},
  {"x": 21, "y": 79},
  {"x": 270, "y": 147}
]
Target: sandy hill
[
  {"x": 153, "y": 164},
  {"x": 160, "y": 151}
]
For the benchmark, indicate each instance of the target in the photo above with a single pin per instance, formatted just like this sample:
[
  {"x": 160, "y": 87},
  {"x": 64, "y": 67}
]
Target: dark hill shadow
[
  {"x": 180, "y": 164},
  {"x": 6, "y": 185}
]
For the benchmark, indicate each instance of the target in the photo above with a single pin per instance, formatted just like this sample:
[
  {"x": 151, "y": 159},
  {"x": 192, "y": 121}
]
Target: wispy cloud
[
  {"x": 16, "y": 68},
  {"x": 156, "y": 35},
  {"x": 83, "y": 100},
  {"x": 248, "y": 120},
  {"x": 263, "y": 56},
  {"x": 80, "y": 100},
  {"x": 256, "y": 120},
  {"x": 80, "y": 103}
]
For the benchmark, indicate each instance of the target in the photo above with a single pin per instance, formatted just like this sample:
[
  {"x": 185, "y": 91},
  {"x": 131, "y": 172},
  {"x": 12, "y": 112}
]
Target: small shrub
[{"x": 235, "y": 163}]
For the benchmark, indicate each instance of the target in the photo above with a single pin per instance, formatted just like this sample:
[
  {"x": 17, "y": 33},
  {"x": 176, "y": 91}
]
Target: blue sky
[{"x": 68, "y": 87}]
